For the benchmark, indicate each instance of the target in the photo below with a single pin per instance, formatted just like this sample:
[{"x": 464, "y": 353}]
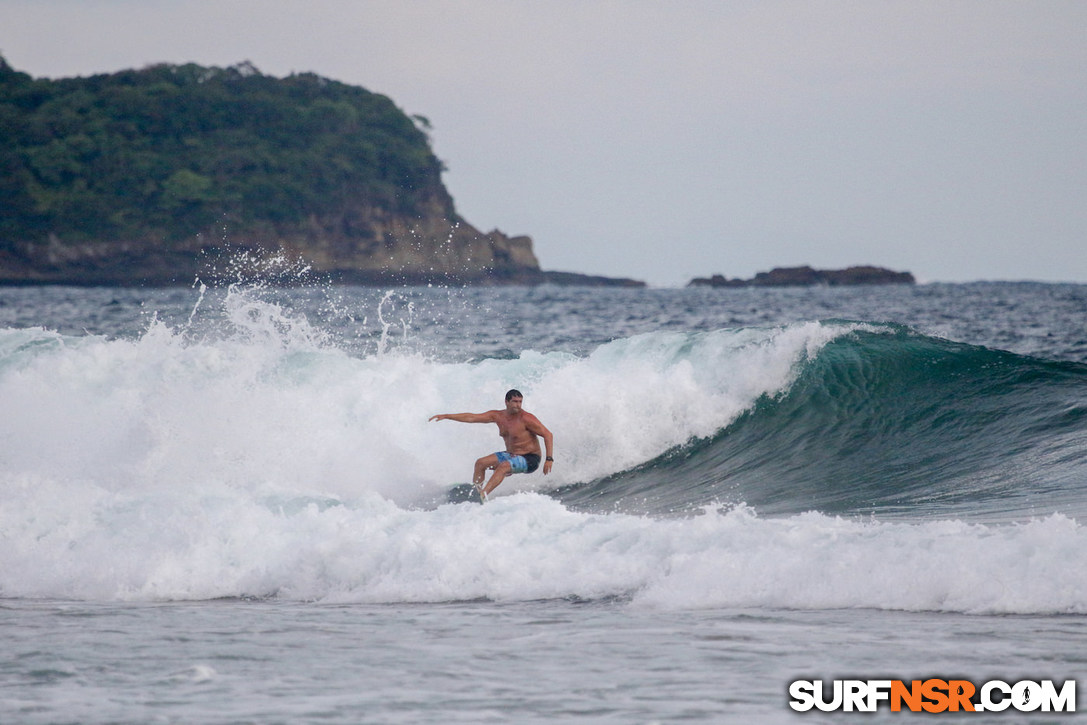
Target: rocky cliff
[{"x": 385, "y": 248}]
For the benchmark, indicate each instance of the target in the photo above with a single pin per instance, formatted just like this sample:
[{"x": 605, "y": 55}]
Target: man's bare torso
[{"x": 514, "y": 430}]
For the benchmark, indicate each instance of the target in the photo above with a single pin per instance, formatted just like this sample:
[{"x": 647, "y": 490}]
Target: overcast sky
[{"x": 669, "y": 140}]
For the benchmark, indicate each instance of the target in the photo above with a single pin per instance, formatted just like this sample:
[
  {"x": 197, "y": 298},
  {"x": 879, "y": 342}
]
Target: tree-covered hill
[
  {"x": 171, "y": 149},
  {"x": 129, "y": 176}
]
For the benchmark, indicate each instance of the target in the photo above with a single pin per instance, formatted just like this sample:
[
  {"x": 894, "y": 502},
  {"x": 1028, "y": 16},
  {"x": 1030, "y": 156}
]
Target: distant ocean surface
[{"x": 226, "y": 505}]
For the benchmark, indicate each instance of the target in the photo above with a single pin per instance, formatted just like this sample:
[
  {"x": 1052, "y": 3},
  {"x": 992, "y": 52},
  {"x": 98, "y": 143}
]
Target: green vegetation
[{"x": 168, "y": 151}]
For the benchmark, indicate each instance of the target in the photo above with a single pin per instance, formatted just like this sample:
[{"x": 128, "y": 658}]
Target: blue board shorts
[{"x": 527, "y": 463}]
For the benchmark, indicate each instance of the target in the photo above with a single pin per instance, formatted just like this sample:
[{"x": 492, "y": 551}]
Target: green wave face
[{"x": 885, "y": 422}]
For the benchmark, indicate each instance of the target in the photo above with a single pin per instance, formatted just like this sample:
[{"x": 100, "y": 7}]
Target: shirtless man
[{"x": 521, "y": 430}]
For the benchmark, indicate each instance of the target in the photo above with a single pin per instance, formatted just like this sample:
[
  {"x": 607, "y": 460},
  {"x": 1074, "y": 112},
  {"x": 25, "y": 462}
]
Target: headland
[{"x": 146, "y": 177}]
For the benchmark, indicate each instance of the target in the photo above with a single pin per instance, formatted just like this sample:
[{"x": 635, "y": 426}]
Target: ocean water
[{"x": 227, "y": 505}]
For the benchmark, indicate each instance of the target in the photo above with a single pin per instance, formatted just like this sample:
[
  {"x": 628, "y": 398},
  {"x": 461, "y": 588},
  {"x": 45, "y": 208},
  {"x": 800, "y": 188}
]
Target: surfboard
[{"x": 463, "y": 493}]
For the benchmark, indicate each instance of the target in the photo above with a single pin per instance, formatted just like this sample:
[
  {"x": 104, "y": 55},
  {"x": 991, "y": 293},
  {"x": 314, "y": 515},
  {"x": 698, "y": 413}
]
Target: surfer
[{"x": 522, "y": 432}]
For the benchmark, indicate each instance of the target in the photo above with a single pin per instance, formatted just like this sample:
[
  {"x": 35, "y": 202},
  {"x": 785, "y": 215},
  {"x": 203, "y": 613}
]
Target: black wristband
[{"x": 549, "y": 458}]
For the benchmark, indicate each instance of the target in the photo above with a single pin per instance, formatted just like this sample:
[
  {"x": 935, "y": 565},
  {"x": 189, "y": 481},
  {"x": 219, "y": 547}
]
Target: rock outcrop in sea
[{"x": 808, "y": 277}]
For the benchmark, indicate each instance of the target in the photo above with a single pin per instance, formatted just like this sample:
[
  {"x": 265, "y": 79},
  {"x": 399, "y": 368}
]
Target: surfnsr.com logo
[{"x": 933, "y": 695}]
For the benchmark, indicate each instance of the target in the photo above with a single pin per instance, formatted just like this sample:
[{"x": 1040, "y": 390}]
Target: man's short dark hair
[{"x": 515, "y": 393}]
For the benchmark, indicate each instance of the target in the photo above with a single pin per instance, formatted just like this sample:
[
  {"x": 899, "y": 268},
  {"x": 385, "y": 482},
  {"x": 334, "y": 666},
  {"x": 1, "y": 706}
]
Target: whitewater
[{"x": 751, "y": 486}]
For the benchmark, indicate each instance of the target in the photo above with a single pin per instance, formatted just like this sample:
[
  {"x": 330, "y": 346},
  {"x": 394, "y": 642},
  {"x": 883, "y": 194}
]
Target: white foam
[
  {"x": 269, "y": 401},
  {"x": 209, "y": 542},
  {"x": 817, "y": 562}
]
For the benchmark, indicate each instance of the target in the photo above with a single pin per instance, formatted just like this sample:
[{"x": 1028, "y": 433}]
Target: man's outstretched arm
[{"x": 487, "y": 417}]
